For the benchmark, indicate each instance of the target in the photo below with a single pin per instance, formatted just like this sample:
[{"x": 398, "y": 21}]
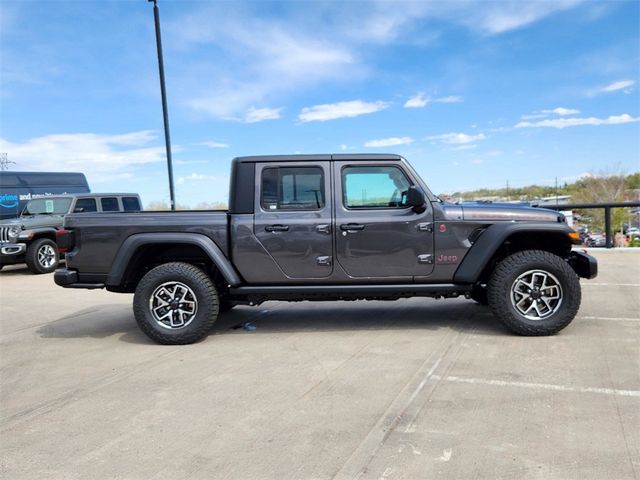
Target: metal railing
[{"x": 607, "y": 213}]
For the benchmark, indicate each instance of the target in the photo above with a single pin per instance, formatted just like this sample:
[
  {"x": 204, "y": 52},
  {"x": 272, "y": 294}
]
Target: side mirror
[
  {"x": 78, "y": 210},
  {"x": 415, "y": 199}
]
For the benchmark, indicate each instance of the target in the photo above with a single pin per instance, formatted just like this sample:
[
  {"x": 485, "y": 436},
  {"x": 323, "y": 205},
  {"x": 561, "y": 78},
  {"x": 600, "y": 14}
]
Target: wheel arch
[
  {"x": 503, "y": 239},
  {"x": 38, "y": 233},
  {"x": 141, "y": 252}
]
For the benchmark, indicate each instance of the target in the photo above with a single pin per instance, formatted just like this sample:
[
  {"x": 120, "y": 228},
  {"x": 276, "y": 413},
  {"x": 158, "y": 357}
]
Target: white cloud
[
  {"x": 562, "y": 111},
  {"x": 420, "y": 100},
  {"x": 576, "y": 121},
  {"x": 624, "y": 85},
  {"x": 333, "y": 111},
  {"x": 457, "y": 138},
  {"x": 417, "y": 101},
  {"x": 198, "y": 177},
  {"x": 533, "y": 116},
  {"x": 101, "y": 157},
  {"x": 495, "y": 18},
  {"x": 449, "y": 99},
  {"x": 263, "y": 60},
  {"x": 255, "y": 115},
  {"x": 214, "y": 144},
  {"x": 389, "y": 142}
]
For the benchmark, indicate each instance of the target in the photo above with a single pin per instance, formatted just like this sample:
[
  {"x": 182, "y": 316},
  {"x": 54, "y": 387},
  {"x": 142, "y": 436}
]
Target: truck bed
[{"x": 101, "y": 235}]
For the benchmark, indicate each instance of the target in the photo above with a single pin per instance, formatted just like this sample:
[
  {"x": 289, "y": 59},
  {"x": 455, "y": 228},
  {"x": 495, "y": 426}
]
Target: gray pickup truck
[
  {"x": 31, "y": 238},
  {"x": 328, "y": 227}
]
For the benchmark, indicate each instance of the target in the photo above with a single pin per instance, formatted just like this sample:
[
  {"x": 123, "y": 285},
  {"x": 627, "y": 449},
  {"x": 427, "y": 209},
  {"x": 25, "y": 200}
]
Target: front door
[
  {"x": 293, "y": 217},
  {"x": 377, "y": 234}
]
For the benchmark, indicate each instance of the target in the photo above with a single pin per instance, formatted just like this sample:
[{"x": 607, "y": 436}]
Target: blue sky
[{"x": 473, "y": 93}]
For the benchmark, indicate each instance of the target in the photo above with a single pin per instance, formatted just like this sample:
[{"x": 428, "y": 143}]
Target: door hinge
[
  {"x": 425, "y": 227},
  {"x": 324, "y": 261},
  {"x": 425, "y": 258}
]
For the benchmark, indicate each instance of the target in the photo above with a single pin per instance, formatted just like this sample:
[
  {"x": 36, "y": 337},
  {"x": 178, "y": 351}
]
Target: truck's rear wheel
[
  {"x": 534, "y": 292},
  {"x": 42, "y": 256},
  {"x": 176, "y": 303}
]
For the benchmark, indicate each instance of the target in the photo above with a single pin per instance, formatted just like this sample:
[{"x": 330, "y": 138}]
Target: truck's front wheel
[
  {"x": 534, "y": 292},
  {"x": 42, "y": 256},
  {"x": 176, "y": 303}
]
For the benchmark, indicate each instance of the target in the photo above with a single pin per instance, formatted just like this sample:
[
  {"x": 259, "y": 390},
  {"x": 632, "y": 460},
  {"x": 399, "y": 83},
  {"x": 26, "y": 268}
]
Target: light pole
[{"x": 163, "y": 91}]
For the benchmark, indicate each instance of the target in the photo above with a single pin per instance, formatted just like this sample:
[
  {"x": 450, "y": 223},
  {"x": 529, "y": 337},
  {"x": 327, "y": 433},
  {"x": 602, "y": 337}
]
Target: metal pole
[
  {"x": 607, "y": 226},
  {"x": 165, "y": 113}
]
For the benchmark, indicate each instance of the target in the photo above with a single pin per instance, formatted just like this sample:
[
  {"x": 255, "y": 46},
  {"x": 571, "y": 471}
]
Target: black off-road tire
[
  {"x": 203, "y": 292},
  {"x": 42, "y": 256},
  {"x": 504, "y": 277},
  {"x": 479, "y": 295}
]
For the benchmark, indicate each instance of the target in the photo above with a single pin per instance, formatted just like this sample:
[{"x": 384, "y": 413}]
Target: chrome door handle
[
  {"x": 351, "y": 227},
  {"x": 277, "y": 228},
  {"x": 324, "y": 228}
]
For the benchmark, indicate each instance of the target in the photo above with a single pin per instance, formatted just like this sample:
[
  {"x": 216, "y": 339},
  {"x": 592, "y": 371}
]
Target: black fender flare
[
  {"x": 492, "y": 238},
  {"x": 132, "y": 243},
  {"x": 30, "y": 234}
]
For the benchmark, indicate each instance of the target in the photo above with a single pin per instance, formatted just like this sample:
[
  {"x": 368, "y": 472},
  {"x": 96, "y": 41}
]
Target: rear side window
[
  {"x": 109, "y": 204},
  {"x": 131, "y": 204},
  {"x": 293, "y": 188},
  {"x": 85, "y": 205},
  {"x": 374, "y": 187}
]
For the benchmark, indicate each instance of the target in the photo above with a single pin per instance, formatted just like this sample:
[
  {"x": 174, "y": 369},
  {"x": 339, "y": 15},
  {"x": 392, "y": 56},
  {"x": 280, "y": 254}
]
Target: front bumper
[
  {"x": 583, "y": 264},
  {"x": 12, "y": 249}
]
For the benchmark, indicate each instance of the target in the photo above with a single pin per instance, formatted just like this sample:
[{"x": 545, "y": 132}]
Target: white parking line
[
  {"x": 612, "y": 319},
  {"x": 590, "y": 284},
  {"x": 540, "y": 386}
]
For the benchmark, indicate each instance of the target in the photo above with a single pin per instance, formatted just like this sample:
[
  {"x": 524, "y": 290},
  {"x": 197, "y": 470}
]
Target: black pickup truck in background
[{"x": 327, "y": 227}]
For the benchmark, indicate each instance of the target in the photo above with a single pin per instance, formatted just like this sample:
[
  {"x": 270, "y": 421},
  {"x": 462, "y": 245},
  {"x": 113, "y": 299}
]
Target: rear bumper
[
  {"x": 68, "y": 278},
  {"x": 583, "y": 264}
]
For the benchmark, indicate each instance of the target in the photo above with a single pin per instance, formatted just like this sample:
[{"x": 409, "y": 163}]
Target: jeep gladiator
[{"x": 327, "y": 227}]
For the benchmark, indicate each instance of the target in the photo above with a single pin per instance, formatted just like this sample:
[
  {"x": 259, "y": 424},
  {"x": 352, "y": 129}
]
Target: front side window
[
  {"x": 374, "y": 187},
  {"x": 292, "y": 188},
  {"x": 109, "y": 204},
  {"x": 51, "y": 206}
]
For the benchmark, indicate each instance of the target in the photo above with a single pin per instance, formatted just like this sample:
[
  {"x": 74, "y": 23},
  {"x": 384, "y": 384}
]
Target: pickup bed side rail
[
  {"x": 492, "y": 238},
  {"x": 131, "y": 244}
]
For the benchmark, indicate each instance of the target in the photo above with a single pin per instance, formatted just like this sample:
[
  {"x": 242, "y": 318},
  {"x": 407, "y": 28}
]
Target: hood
[
  {"x": 33, "y": 221},
  {"x": 510, "y": 213},
  {"x": 492, "y": 212}
]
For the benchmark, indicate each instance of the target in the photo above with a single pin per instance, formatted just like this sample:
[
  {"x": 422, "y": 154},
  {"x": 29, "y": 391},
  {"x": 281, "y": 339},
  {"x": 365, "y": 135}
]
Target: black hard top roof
[{"x": 318, "y": 158}]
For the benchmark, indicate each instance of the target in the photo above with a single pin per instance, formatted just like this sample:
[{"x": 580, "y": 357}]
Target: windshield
[{"x": 52, "y": 206}]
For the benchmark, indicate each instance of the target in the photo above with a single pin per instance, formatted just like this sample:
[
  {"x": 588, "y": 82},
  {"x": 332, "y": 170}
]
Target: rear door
[
  {"x": 293, "y": 217},
  {"x": 377, "y": 234}
]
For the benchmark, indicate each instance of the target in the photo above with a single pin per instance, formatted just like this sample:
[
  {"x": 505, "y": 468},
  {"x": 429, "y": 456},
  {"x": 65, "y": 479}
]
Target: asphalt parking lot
[{"x": 411, "y": 389}]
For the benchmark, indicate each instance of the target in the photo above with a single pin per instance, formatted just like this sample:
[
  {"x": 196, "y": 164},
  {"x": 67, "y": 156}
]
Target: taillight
[{"x": 64, "y": 240}]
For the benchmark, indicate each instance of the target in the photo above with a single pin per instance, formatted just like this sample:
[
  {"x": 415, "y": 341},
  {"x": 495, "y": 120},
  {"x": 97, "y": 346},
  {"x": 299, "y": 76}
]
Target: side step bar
[{"x": 315, "y": 292}]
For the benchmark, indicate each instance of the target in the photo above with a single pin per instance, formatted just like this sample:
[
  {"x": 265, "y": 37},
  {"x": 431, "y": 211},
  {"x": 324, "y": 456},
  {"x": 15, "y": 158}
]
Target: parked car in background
[
  {"x": 596, "y": 240},
  {"x": 31, "y": 238},
  {"x": 633, "y": 232}
]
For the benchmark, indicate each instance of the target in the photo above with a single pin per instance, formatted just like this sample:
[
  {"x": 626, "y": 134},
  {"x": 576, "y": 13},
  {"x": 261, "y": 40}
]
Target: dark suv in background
[{"x": 31, "y": 238}]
